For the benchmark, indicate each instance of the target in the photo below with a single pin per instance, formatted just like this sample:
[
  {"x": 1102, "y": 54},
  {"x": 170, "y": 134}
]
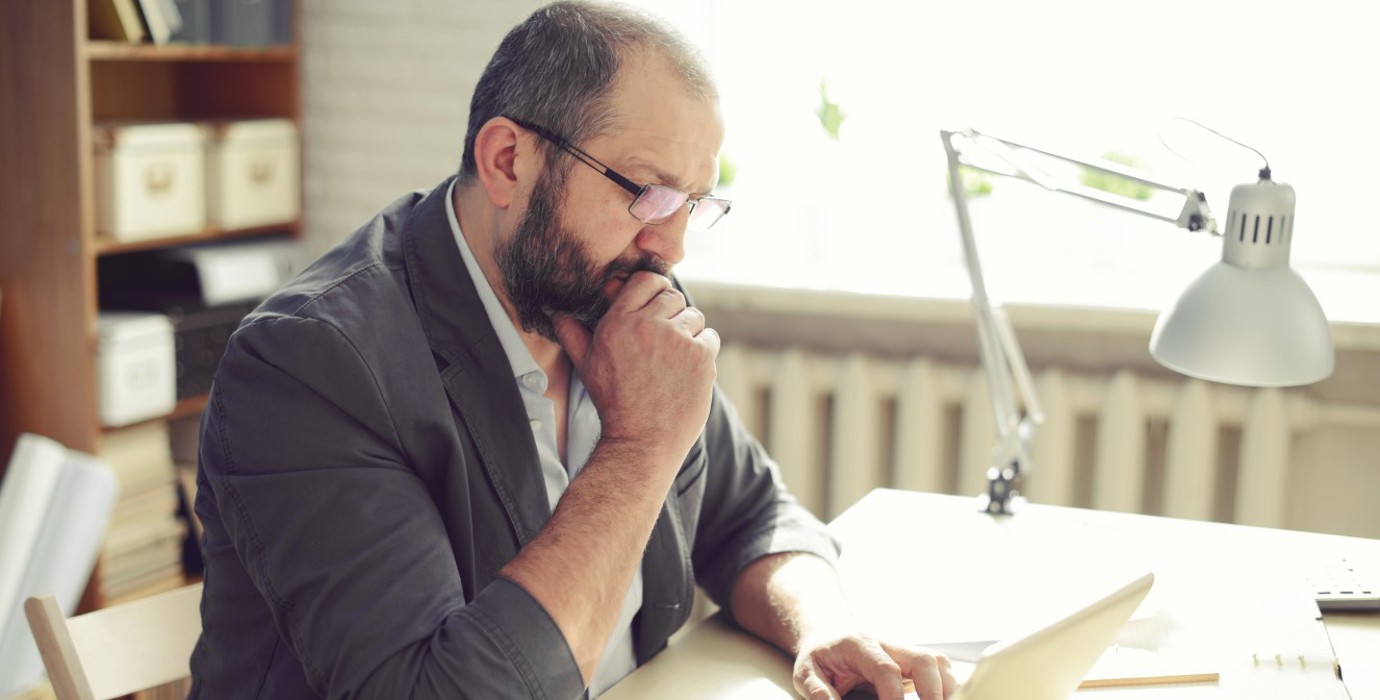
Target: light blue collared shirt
[{"x": 582, "y": 432}]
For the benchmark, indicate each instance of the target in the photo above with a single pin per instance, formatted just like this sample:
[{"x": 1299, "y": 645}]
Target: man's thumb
[{"x": 573, "y": 335}]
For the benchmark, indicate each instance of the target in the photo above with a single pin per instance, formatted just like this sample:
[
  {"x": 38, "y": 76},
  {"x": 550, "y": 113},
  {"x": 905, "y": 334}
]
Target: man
[{"x": 476, "y": 449}]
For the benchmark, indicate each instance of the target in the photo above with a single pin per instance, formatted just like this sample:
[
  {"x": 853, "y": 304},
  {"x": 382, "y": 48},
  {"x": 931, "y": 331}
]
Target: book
[
  {"x": 25, "y": 494},
  {"x": 70, "y": 529},
  {"x": 1263, "y": 643},
  {"x": 146, "y": 584},
  {"x": 140, "y": 455},
  {"x": 145, "y": 539},
  {"x": 131, "y": 552},
  {"x": 172, "y": 16},
  {"x": 156, "y": 504},
  {"x": 115, "y": 19},
  {"x": 156, "y": 22}
]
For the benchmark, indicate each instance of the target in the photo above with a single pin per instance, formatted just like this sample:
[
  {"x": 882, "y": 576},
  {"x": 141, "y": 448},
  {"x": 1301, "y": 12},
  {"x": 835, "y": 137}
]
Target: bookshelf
[{"x": 55, "y": 83}]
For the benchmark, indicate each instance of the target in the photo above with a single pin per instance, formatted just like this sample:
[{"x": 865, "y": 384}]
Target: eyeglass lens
[{"x": 657, "y": 203}]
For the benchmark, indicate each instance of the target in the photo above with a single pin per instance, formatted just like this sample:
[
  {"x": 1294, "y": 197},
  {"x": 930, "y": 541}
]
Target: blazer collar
[{"x": 474, "y": 368}]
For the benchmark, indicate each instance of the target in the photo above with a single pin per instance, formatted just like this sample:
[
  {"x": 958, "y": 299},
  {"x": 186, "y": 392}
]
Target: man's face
[
  {"x": 576, "y": 243},
  {"x": 548, "y": 268}
]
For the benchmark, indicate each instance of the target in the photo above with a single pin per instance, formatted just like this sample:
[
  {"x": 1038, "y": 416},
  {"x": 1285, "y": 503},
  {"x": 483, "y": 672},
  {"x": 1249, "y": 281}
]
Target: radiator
[{"x": 840, "y": 426}]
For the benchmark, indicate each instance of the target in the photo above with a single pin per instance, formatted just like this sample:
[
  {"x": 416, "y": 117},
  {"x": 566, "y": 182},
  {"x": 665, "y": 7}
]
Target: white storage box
[
  {"x": 252, "y": 173},
  {"x": 135, "y": 367},
  {"x": 150, "y": 180}
]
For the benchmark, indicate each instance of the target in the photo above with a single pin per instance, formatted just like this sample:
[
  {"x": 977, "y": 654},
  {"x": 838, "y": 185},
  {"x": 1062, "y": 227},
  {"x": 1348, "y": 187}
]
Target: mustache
[{"x": 643, "y": 263}]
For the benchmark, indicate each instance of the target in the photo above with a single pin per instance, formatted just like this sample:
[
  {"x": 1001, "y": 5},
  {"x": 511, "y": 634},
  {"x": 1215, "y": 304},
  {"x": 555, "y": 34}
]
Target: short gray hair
[{"x": 556, "y": 69}]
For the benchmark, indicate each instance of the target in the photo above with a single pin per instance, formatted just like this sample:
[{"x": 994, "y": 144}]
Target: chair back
[{"x": 118, "y": 650}]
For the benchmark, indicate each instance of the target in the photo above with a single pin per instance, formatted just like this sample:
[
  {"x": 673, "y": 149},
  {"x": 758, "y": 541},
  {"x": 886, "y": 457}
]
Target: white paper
[
  {"x": 24, "y": 497},
  {"x": 69, "y": 539}
]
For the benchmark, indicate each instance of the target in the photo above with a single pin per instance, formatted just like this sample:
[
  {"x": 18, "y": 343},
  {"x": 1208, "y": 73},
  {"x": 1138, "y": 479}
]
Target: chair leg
[{"x": 49, "y": 628}]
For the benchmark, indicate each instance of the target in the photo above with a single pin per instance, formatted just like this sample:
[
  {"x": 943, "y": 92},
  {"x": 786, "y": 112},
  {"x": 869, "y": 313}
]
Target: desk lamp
[{"x": 1249, "y": 319}]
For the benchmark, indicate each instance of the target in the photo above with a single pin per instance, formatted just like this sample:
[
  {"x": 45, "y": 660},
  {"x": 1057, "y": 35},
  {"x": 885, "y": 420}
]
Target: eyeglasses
[{"x": 652, "y": 204}]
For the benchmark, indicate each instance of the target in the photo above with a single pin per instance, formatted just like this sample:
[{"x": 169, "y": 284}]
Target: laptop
[{"x": 1048, "y": 664}]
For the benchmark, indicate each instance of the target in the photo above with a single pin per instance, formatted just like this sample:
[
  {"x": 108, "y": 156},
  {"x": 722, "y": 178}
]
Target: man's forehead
[
  {"x": 661, "y": 130},
  {"x": 673, "y": 159}
]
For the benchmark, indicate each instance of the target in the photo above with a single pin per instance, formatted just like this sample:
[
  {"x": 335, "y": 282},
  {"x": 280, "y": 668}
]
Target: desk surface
[{"x": 929, "y": 568}]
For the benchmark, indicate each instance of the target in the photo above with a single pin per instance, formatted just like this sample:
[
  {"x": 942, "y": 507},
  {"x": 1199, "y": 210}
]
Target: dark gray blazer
[{"x": 366, "y": 468}]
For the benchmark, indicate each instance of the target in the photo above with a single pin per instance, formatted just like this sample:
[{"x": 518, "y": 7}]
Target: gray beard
[{"x": 547, "y": 269}]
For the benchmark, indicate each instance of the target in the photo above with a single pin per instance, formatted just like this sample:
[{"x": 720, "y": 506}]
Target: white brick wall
[{"x": 386, "y": 93}]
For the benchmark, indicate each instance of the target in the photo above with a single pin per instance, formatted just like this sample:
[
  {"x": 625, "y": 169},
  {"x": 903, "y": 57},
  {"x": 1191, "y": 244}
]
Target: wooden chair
[{"x": 118, "y": 650}]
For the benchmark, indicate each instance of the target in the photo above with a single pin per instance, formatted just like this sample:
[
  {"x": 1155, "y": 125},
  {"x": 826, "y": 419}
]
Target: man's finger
[
  {"x": 667, "y": 303},
  {"x": 882, "y": 672},
  {"x": 710, "y": 338},
  {"x": 811, "y": 686},
  {"x": 946, "y": 673},
  {"x": 924, "y": 670},
  {"x": 817, "y": 689},
  {"x": 574, "y": 338},
  {"x": 640, "y": 288},
  {"x": 691, "y": 319}
]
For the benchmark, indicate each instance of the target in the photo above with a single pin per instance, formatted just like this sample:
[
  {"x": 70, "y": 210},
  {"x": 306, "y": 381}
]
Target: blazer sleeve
[
  {"x": 747, "y": 513},
  {"x": 343, "y": 540}
]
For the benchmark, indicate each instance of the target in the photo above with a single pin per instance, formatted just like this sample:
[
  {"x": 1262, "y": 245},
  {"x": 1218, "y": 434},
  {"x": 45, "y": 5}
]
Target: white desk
[{"x": 930, "y": 568}]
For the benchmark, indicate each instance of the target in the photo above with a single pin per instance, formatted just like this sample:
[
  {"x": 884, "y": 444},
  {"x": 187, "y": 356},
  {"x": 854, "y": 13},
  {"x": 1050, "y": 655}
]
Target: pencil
[{"x": 1150, "y": 679}]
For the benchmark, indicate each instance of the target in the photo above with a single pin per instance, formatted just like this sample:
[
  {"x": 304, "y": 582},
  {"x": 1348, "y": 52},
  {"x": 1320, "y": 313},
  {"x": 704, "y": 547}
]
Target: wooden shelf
[
  {"x": 189, "y": 407},
  {"x": 50, "y": 252},
  {"x": 98, "y": 50},
  {"x": 105, "y": 246}
]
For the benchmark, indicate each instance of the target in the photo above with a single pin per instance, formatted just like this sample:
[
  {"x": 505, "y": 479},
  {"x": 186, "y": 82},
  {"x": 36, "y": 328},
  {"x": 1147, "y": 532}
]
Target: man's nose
[{"x": 665, "y": 240}]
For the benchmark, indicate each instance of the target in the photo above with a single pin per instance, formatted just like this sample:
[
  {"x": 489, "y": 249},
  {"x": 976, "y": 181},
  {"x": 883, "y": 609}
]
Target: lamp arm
[
  {"x": 1003, "y": 364},
  {"x": 1194, "y": 216}
]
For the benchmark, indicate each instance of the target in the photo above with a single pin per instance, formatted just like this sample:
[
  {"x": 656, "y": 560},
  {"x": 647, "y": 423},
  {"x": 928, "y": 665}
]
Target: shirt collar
[{"x": 518, "y": 355}]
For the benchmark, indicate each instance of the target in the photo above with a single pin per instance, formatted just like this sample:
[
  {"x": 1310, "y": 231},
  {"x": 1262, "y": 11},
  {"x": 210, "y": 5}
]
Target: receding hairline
[{"x": 604, "y": 38}]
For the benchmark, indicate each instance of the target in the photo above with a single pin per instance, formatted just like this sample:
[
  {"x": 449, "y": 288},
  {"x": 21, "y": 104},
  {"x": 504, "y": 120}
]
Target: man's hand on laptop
[{"x": 827, "y": 668}]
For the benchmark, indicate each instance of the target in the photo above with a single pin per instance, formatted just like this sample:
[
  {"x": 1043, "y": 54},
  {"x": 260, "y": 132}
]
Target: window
[{"x": 870, "y": 210}]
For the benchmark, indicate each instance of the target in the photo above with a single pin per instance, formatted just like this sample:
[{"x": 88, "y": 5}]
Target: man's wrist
[{"x": 649, "y": 454}]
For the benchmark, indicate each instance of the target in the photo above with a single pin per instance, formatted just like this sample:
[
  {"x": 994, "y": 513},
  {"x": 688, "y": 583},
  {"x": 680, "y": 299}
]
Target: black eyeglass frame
[{"x": 636, "y": 190}]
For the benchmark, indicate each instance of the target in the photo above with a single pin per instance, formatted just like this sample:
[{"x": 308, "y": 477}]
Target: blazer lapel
[{"x": 476, "y": 372}]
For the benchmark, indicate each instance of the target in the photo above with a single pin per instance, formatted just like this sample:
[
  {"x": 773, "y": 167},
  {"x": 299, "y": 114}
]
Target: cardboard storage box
[
  {"x": 252, "y": 173},
  {"x": 150, "y": 180},
  {"x": 135, "y": 367}
]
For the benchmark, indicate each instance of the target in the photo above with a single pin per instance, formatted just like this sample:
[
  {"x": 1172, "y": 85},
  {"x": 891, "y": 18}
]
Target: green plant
[
  {"x": 976, "y": 183},
  {"x": 830, "y": 115},
  {"x": 1117, "y": 185},
  {"x": 728, "y": 170}
]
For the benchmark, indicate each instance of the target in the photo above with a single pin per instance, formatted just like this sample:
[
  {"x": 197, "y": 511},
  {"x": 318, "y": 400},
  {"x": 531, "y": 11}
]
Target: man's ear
[{"x": 503, "y": 159}]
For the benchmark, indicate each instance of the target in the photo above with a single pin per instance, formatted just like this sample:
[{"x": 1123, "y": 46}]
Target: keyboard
[{"x": 1342, "y": 585}]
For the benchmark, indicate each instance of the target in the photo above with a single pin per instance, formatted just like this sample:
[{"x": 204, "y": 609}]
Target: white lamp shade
[{"x": 1255, "y": 327}]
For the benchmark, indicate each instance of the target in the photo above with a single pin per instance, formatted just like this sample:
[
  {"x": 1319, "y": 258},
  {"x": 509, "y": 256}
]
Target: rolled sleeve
[{"x": 747, "y": 513}]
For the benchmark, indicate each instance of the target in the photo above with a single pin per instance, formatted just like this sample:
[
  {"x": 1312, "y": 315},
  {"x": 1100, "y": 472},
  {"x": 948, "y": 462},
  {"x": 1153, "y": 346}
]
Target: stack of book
[
  {"x": 186, "y": 440},
  {"x": 249, "y": 23},
  {"x": 142, "y": 554},
  {"x": 134, "y": 20}
]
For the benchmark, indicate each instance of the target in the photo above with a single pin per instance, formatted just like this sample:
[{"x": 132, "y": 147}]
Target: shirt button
[
  {"x": 536, "y": 424},
  {"x": 531, "y": 380}
]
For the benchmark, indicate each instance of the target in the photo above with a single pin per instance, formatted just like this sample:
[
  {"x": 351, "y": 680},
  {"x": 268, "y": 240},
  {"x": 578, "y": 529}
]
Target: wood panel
[
  {"x": 105, "y": 246},
  {"x": 121, "y": 51},
  {"x": 47, "y": 373},
  {"x": 134, "y": 91},
  {"x": 226, "y": 90}
]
